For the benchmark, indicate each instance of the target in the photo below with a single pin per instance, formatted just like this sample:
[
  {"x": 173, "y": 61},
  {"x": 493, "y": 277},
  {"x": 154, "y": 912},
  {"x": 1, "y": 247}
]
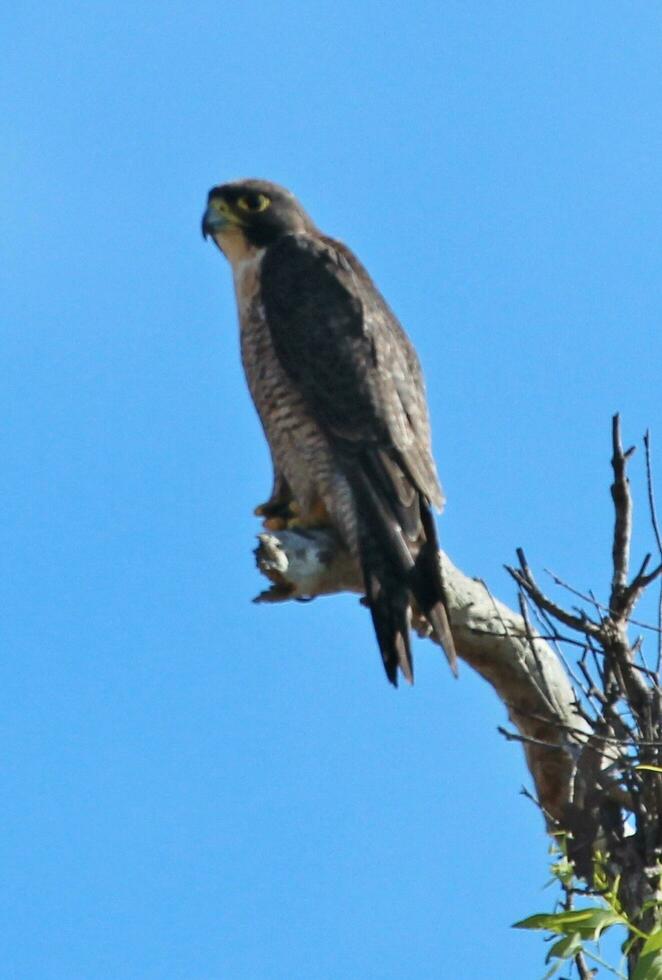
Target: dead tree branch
[
  {"x": 592, "y": 737},
  {"x": 526, "y": 674}
]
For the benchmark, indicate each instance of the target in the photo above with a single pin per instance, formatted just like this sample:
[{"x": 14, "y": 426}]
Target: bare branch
[
  {"x": 488, "y": 636},
  {"x": 651, "y": 492},
  {"x": 620, "y": 492},
  {"x": 524, "y": 578},
  {"x": 634, "y": 590},
  {"x": 658, "y": 539},
  {"x": 592, "y": 737},
  {"x": 640, "y": 581},
  {"x": 585, "y": 972},
  {"x": 514, "y": 737},
  {"x": 534, "y": 650}
]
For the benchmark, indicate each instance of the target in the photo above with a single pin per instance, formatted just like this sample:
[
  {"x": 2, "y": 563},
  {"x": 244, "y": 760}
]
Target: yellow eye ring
[{"x": 253, "y": 203}]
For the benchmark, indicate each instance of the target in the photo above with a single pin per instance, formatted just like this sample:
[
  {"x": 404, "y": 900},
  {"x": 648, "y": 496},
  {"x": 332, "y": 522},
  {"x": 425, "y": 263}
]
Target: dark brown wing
[{"x": 348, "y": 356}]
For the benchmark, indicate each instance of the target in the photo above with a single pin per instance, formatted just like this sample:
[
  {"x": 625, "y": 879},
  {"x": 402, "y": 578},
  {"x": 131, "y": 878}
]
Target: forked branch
[{"x": 592, "y": 736}]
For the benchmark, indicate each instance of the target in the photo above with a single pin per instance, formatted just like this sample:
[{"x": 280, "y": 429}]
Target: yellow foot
[
  {"x": 277, "y": 508},
  {"x": 274, "y": 523},
  {"x": 317, "y": 516},
  {"x": 301, "y": 524}
]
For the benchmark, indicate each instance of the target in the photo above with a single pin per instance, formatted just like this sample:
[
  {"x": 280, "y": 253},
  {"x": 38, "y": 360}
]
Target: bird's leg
[
  {"x": 315, "y": 516},
  {"x": 280, "y": 508},
  {"x": 281, "y": 511}
]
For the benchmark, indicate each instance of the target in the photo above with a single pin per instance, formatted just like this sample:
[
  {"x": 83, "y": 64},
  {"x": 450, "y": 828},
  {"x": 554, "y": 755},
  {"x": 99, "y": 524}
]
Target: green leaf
[
  {"x": 563, "y": 870},
  {"x": 542, "y": 920},
  {"x": 648, "y": 768},
  {"x": 565, "y": 948},
  {"x": 600, "y": 920},
  {"x": 649, "y": 964},
  {"x": 589, "y": 923}
]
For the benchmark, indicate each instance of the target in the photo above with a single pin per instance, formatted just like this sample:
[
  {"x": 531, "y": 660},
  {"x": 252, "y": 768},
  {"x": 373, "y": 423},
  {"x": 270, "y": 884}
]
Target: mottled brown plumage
[{"x": 340, "y": 394}]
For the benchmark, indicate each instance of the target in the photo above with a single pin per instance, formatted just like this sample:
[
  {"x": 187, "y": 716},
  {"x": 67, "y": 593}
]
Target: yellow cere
[{"x": 221, "y": 206}]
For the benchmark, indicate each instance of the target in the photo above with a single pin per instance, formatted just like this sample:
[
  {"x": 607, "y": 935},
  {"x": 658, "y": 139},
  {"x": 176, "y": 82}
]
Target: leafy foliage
[
  {"x": 580, "y": 929},
  {"x": 608, "y": 828}
]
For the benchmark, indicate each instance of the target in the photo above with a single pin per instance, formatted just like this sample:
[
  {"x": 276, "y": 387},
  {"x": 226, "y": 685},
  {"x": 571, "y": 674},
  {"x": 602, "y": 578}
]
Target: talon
[
  {"x": 277, "y": 593},
  {"x": 316, "y": 516},
  {"x": 274, "y": 523},
  {"x": 276, "y": 507}
]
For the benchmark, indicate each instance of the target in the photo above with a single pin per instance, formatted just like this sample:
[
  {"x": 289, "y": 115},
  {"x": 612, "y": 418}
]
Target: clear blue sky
[{"x": 195, "y": 788}]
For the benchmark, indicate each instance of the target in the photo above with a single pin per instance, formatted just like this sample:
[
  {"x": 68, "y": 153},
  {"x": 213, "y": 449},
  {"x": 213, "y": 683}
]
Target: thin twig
[
  {"x": 592, "y": 692},
  {"x": 529, "y": 796},
  {"x": 658, "y": 538},
  {"x": 633, "y": 591},
  {"x": 528, "y": 739},
  {"x": 582, "y": 969},
  {"x": 495, "y": 606},
  {"x": 620, "y": 492},
  {"x": 524, "y": 577},
  {"x": 651, "y": 491},
  {"x": 610, "y": 740},
  {"x": 554, "y": 638},
  {"x": 546, "y": 694},
  {"x": 600, "y": 606},
  {"x": 598, "y": 666},
  {"x": 594, "y": 956}
]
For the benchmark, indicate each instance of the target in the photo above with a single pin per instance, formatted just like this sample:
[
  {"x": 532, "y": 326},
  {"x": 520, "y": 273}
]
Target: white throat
[{"x": 246, "y": 271}]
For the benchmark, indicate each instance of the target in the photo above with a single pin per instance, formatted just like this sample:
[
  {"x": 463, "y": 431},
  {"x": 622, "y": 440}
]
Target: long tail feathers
[
  {"x": 428, "y": 587},
  {"x": 389, "y": 607},
  {"x": 393, "y": 578}
]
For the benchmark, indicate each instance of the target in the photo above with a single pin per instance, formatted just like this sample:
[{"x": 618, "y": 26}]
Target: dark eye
[{"x": 253, "y": 203}]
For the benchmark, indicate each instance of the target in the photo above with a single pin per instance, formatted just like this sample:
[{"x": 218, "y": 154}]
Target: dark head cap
[{"x": 262, "y": 210}]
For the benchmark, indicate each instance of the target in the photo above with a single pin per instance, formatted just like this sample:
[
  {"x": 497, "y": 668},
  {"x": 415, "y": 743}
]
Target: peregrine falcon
[{"x": 341, "y": 397}]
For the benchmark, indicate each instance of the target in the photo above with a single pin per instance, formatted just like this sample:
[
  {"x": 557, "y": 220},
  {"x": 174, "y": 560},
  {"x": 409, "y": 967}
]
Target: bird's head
[{"x": 245, "y": 215}]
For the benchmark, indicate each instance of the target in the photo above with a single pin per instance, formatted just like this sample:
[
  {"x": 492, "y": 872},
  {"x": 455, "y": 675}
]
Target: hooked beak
[
  {"x": 218, "y": 216},
  {"x": 213, "y": 221}
]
